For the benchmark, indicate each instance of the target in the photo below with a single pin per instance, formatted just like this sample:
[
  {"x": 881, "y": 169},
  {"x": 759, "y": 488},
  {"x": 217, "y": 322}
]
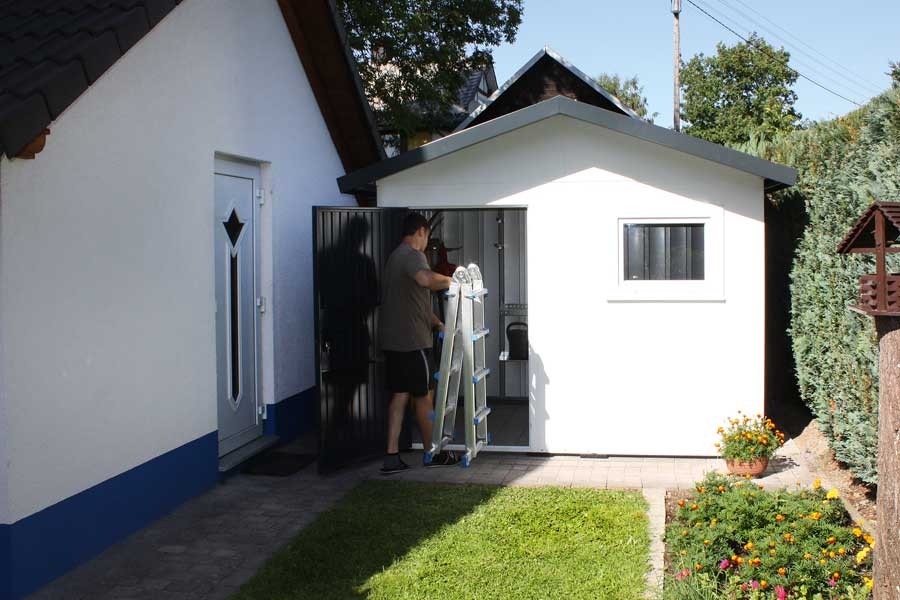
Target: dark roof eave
[{"x": 776, "y": 176}]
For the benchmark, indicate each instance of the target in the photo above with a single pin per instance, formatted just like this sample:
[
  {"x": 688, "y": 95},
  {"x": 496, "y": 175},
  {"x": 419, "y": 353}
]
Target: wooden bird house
[{"x": 876, "y": 232}]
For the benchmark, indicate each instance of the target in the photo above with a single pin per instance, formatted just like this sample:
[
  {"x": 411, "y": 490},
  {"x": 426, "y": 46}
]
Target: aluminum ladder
[{"x": 462, "y": 363}]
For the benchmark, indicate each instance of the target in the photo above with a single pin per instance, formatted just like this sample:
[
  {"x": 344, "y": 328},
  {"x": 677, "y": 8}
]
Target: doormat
[{"x": 278, "y": 464}]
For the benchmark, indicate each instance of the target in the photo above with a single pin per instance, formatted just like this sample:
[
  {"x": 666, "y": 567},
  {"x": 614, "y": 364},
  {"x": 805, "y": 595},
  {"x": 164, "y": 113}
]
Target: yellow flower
[
  {"x": 779, "y": 518},
  {"x": 869, "y": 582},
  {"x": 772, "y": 551},
  {"x": 807, "y": 556},
  {"x": 822, "y": 561},
  {"x": 862, "y": 554},
  {"x": 782, "y": 571},
  {"x": 857, "y": 532},
  {"x": 706, "y": 542},
  {"x": 817, "y": 484},
  {"x": 832, "y": 494}
]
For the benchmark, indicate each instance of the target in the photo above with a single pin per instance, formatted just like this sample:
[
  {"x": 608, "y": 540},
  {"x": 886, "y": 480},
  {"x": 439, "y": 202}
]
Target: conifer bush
[{"x": 843, "y": 165}]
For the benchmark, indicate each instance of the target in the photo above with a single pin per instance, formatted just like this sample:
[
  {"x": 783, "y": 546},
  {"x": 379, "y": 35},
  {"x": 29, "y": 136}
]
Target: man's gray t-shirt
[{"x": 406, "y": 307}]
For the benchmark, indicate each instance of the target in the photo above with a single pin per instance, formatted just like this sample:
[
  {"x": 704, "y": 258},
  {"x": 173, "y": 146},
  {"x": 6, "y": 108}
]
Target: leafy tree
[
  {"x": 742, "y": 90},
  {"x": 895, "y": 74},
  {"x": 413, "y": 56},
  {"x": 629, "y": 91}
]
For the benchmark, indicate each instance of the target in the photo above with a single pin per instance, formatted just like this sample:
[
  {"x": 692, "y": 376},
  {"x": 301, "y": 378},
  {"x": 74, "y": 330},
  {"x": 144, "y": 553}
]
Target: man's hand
[{"x": 433, "y": 281}]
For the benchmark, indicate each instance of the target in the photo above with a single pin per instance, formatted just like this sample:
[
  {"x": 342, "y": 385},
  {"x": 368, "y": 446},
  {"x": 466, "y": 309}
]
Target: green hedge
[{"x": 844, "y": 164}]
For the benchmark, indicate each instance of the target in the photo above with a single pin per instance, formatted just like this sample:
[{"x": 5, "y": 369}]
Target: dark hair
[{"x": 412, "y": 222}]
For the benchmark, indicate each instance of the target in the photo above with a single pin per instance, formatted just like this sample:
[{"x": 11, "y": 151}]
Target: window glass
[{"x": 662, "y": 251}]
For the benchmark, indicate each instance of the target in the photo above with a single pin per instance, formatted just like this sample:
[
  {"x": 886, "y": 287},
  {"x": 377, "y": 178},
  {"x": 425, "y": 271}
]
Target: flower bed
[{"x": 731, "y": 539}]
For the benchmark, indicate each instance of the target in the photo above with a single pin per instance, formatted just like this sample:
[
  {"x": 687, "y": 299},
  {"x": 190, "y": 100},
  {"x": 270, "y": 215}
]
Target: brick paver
[{"x": 211, "y": 545}]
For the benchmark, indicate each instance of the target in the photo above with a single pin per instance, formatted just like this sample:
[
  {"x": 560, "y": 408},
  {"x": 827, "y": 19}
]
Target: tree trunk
[{"x": 887, "y": 535}]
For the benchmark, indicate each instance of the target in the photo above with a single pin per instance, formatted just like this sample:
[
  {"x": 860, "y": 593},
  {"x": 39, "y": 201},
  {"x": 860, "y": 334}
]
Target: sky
[{"x": 844, "y": 46}]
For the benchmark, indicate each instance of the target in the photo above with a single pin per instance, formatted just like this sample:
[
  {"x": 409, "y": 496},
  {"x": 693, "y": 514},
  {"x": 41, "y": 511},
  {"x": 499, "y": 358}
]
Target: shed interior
[{"x": 496, "y": 240}]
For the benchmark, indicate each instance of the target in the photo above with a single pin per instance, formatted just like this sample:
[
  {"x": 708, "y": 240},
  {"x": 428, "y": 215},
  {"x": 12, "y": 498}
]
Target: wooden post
[
  {"x": 880, "y": 264},
  {"x": 887, "y": 534}
]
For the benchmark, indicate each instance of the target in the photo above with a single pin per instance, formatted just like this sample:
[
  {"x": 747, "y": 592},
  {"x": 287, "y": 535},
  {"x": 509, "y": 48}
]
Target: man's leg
[
  {"x": 424, "y": 406},
  {"x": 396, "y": 409}
]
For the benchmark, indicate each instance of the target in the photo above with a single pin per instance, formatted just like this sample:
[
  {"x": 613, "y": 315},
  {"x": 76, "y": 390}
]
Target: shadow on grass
[{"x": 371, "y": 528}]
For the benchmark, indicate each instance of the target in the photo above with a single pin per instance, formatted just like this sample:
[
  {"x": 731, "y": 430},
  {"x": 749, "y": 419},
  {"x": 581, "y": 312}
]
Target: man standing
[{"x": 407, "y": 322}]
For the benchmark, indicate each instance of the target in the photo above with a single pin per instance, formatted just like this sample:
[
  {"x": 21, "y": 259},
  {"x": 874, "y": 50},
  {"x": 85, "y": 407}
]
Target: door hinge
[
  {"x": 261, "y": 304},
  {"x": 261, "y": 410},
  {"x": 260, "y": 197}
]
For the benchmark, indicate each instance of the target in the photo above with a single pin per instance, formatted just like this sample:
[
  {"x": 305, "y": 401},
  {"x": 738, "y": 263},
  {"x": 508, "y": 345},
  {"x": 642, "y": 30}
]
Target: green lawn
[{"x": 395, "y": 540}]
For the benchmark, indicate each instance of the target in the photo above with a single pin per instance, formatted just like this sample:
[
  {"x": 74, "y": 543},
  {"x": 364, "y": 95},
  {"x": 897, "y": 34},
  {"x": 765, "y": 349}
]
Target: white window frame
[{"x": 709, "y": 289}]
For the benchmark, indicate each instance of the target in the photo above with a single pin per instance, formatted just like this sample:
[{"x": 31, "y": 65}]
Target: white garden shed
[{"x": 646, "y": 268}]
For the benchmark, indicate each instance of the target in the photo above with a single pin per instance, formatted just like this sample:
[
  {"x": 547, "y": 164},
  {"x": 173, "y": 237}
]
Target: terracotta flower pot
[{"x": 753, "y": 468}]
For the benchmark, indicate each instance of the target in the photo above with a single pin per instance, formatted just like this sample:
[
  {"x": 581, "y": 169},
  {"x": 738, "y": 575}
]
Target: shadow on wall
[
  {"x": 348, "y": 287},
  {"x": 537, "y": 385}
]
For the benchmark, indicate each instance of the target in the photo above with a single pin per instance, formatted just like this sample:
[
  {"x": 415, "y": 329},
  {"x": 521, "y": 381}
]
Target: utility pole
[{"x": 676, "y": 12}]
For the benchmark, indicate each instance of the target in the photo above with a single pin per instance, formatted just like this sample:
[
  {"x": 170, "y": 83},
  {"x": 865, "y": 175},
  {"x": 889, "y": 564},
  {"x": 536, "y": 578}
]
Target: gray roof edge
[
  {"x": 776, "y": 175},
  {"x": 776, "y": 172},
  {"x": 449, "y": 144},
  {"x": 545, "y": 51}
]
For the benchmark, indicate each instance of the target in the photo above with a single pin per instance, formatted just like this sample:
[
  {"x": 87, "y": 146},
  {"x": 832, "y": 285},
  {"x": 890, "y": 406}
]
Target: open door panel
[{"x": 351, "y": 248}]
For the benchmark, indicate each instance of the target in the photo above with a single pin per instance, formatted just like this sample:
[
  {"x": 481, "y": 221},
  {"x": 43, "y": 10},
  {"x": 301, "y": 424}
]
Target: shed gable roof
[
  {"x": 52, "y": 50},
  {"x": 545, "y": 75},
  {"x": 776, "y": 176}
]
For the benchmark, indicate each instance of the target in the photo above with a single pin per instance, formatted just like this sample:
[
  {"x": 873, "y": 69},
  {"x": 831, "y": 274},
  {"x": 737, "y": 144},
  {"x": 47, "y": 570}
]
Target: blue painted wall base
[
  {"x": 5, "y": 563},
  {"x": 292, "y": 416},
  {"x": 43, "y": 546}
]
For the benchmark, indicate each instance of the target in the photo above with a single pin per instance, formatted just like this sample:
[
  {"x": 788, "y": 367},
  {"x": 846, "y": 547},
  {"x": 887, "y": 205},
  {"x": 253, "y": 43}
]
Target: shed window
[{"x": 663, "y": 251}]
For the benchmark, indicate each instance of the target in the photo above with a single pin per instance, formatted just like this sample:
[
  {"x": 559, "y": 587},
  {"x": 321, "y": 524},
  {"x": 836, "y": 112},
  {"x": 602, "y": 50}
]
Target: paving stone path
[{"x": 209, "y": 546}]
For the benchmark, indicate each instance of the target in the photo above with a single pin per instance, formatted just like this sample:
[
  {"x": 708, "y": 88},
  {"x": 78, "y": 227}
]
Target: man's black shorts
[{"x": 410, "y": 372}]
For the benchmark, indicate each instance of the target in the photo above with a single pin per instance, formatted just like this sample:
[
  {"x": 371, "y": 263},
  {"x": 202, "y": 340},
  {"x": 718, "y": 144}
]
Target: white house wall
[
  {"x": 614, "y": 370},
  {"x": 106, "y": 267}
]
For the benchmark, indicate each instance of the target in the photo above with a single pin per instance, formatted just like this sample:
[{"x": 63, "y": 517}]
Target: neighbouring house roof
[
  {"x": 776, "y": 176},
  {"x": 546, "y": 75},
  {"x": 861, "y": 237},
  {"x": 52, "y": 50}
]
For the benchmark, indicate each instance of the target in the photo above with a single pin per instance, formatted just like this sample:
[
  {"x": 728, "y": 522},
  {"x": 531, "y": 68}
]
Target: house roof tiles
[{"x": 52, "y": 50}]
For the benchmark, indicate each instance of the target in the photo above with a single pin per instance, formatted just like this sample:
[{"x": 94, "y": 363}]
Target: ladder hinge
[{"x": 261, "y": 304}]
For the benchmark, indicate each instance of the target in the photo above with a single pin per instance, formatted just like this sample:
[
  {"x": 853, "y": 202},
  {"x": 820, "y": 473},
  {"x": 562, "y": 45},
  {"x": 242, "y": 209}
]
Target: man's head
[{"x": 415, "y": 231}]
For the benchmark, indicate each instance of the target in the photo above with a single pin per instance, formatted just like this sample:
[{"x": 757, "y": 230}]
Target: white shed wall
[
  {"x": 106, "y": 267},
  {"x": 614, "y": 371}
]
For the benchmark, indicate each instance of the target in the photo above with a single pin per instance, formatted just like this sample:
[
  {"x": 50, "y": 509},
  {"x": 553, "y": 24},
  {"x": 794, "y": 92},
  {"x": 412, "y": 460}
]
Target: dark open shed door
[{"x": 351, "y": 247}]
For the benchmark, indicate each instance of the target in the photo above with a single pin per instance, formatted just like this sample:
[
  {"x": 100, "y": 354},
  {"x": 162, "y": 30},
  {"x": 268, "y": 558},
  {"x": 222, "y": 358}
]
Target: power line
[
  {"x": 828, "y": 72},
  {"x": 848, "y": 73},
  {"x": 798, "y": 73}
]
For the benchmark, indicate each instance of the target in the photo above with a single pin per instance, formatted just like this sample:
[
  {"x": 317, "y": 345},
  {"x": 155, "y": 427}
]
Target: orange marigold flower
[
  {"x": 782, "y": 571},
  {"x": 779, "y": 518}
]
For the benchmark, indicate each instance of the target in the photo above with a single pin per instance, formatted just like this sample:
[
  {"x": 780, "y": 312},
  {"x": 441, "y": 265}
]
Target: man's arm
[{"x": 431, "y": 280}]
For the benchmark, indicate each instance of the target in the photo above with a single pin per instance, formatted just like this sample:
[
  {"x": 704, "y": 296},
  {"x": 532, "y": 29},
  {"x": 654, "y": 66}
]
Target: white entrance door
[{"x": 236, "y": 312}]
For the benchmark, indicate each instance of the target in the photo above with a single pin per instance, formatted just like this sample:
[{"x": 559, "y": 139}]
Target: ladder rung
[
  {"x": 480, "y": 374},
  {"x": 477, "y": 293},
  {"x": 481, "y": 414},
  {"x": 453, "y": 370},
  {"x": 480, "y": 334}
]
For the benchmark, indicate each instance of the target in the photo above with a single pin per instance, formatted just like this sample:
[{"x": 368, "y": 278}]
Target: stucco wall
[
  {"x": 615, "y": 370},
  {"x": 106, "y": 280}
]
